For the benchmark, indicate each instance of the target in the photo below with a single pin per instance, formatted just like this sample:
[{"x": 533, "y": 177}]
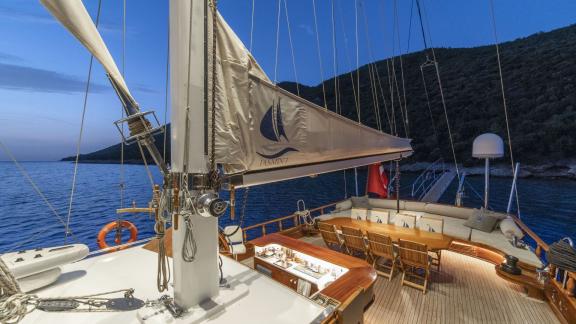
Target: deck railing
[{"x": 282, "y": 223}]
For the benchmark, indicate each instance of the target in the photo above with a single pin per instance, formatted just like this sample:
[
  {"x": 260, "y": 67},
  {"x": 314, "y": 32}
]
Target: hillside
[{"x": 539, "y": 77}]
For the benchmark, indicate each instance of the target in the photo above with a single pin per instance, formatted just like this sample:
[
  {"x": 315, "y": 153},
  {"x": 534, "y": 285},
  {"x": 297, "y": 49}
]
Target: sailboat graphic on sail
[{"x": 272, "y": 128}]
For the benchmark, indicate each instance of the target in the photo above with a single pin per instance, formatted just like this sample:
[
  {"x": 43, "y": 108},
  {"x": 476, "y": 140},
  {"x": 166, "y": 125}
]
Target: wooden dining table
[{"x": 433, "y": 240}]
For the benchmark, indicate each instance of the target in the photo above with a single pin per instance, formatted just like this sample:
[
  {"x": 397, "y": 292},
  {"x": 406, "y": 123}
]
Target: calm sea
[{"x": 547, "y": 206}]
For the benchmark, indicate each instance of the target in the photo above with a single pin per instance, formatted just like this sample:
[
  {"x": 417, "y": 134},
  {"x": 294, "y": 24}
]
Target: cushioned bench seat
[{"x": 498, "y": 241}]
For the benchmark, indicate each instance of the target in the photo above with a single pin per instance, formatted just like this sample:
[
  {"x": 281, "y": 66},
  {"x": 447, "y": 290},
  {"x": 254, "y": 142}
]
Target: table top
[
  {"x": 360, "y": 274},
  {"x": 434, "y": 241}
]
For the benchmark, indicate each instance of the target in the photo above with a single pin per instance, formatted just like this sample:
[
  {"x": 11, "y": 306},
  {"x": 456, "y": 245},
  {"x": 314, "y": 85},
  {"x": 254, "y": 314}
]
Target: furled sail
[
  {"x": 73, "y": 15},
  {"x": 267, "y": 134}
]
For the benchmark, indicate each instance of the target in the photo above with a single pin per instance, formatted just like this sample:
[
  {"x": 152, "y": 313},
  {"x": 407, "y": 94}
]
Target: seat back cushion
[
  {"x": 379, "y": 216},
  {"x": 360, "y": 202},
  {"x": 431, "y": 225},
  {"x": 359, "y": 213},
  {"x": 343, "y": 205},
  {"x": 481, "y": 221},
  {"x": 510, "y": 229},
  {"x": 404, "y": 220}
]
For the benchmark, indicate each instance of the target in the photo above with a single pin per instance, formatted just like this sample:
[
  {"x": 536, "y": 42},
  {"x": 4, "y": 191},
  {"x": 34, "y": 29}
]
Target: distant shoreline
[{"x": 557, "y": 170}]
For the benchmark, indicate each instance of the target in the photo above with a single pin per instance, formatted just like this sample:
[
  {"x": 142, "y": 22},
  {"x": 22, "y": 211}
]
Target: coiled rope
[{"x": 14, "y": 304}]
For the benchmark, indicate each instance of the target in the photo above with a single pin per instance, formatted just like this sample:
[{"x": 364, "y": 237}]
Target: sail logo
[{"x": 272, "y": 128}]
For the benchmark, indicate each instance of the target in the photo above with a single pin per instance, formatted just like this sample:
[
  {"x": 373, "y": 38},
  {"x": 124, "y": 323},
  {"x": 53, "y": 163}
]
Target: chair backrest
[
  {"x": 381, "y": 245},
  {"x": 359, "y": 213},
  {"x": 234, "y": 234},
  {"x": 379, "y": 216},
  {"x": 328, "y": 232},
  {"x": 404, "y": 220},
  {"x": 431, "y": 225},
  {"x": 353, "y": 238},
  {"x": 413, "y": 253}
]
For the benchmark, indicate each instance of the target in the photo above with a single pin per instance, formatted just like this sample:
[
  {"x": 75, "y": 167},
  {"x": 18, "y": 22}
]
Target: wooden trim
[{"x": 135, "y": 210}]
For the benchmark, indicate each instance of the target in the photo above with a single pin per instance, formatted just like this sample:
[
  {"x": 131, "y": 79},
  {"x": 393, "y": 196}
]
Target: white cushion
[
  {"x": 343, "y": 205},
  {"x": 404, "y": 220},
  {"x": 379, "y": 216},
  {"x": 447, "y": 210},
  {"x": 430, "y": 224},
  {"x": 385, "y": 203},
  {"x": 510, "y": 229},
  {"x": 238, "y": 236},
  {"x": 359, "y": 213},
  {"x": 416, "y": 206},
  {"x": 498, "y": 241},
  {"x": 237, "y": 249}
]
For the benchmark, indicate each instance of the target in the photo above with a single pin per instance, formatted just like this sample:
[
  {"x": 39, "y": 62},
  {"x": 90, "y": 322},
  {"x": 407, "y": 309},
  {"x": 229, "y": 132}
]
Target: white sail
[
  {"x": 73, "y": 15},
  {"x": 261, "y": 128}
]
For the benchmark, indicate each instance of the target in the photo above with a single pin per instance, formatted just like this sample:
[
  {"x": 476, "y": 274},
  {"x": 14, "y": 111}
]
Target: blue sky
[{"x": 43, "y": 69}]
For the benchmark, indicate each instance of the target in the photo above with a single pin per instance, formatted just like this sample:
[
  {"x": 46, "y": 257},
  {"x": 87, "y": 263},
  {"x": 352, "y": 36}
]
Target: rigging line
[
  {"x": 504, "y": 103},
  {"x": 443, "y": 99},
  {"x": 80, "y": 136},
  {"x": 421, "y": 24},
  {"x": 277, "y": 42},
  {"x": 357, "y": 60},
  {"x": 122, "y": 110},
  {"x": 410, "y": 27},
  {"x": 397, "y": 28},
  {"x": 348, "y": 60},
  {"x": 319, "y": 53},
  {"x": 252, "y": 25},
  {"x": 400, "y": 104},
  {"x": 371, "y": 69},
  {"x": 391, "y": 88},
  {"x": 35, "y": 187},
  {"x": 429, "y": 106},
  {"x": 186, "y": 157},
  {"x": 291, "y": 48},
  {"x": 146, "y": 165},
  {"x": 337, "y": 107},
  {"x": 383, "y": 99}
]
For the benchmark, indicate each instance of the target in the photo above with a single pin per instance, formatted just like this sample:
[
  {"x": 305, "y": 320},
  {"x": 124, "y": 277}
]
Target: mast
[{"x": 195, "y": 237}]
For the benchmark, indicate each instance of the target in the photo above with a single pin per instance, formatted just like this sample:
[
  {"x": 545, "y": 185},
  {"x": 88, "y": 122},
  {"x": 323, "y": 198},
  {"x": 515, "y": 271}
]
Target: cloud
[
  {"x": 143, "y": 88},
  {"x": 9, "y": 57},
  {"x": 24, "y": 78},
  {"x": 306, "y": 29}
]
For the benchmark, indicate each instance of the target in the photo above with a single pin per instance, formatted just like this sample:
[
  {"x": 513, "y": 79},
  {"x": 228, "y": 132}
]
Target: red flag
[{"x": 377, "y": 180}]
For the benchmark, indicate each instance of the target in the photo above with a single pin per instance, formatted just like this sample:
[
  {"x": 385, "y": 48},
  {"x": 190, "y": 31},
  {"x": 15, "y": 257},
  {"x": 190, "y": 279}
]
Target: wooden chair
[
  {"x": 354, "y": 242},
  {"x": 415, "y": 263},
  {"x": 403, "y": 220},
  {"x": 379, "y": 216},
  {"x": 330, "y": 236},
  {"x": 434, "y": 225},
  {"x": 381, "y": 248}
]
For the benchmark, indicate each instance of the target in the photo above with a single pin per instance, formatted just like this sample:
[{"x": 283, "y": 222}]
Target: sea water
[{"x": 547, "y": 206}]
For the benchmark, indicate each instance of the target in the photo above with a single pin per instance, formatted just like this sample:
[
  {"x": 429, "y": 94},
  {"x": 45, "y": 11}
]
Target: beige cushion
[
  {"x": 385, "y": 203},
  {"x": 499, "y": 216},
  {"x": 379, "y": 216},
  {"x": 498, "y": 241},
  {"x": 446, "y": 210},
  {"x": 403, "y": 220},
  {"x": 431, "y": 224},
  {"x": 360, "y": 202},
  {"x": 510, "y": 229},
  {"x": 343, "y": 205},
  {"x": 416, "y": 206},
  {"x": 482, "y": 221},
  {"x": 359, "y": 213}
]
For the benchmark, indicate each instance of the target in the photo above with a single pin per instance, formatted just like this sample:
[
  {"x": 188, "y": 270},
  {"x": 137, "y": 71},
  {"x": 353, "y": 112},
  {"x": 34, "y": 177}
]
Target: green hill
[{"x": 539, "y": 78}]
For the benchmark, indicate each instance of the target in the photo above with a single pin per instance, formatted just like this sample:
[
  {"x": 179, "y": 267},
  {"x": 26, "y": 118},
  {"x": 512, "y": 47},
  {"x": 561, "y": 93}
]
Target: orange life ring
[{"x": 117, "y": 226}]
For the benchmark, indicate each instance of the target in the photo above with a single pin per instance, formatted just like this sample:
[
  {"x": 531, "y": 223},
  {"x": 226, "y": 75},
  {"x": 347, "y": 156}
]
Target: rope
[
  {"x": 346, "y": 49},
  {"x": 505, "y": 105},
  {"x": 189, "y": 248},
  {"x": 319, "y": 54},
  {"x": 291, "y": 48},
  {"x": 371, "y": 73},
  {"x": 337, "y": 107},
  {"x": 397, "y": 28},
  {"x": 357, "y": 64},
  {"x": 277, "y": 42},
  {"x": 252, "y": 25},
  {"x": 214, "y": 176},
  {"x": 35, "y": 187},
  {"x": 122, "y": 185},
  {"x": 148, "y": 172},
  {"x": 79, "y": 142},
  {"x": 429, "y": 106},
  {"x": 13, "y": 303},
  {"x": 166, "y": 93}
]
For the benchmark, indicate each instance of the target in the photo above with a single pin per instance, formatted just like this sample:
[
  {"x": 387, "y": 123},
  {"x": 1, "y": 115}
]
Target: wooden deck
[{"x": 467, "y": 290}]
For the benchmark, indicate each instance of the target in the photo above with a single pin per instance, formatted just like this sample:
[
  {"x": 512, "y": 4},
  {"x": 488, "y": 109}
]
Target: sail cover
[{"x": 261, "y": 127}]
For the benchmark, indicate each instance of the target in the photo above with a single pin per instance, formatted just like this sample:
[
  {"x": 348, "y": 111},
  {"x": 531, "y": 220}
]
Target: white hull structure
[{"x": 266, "y": 301}]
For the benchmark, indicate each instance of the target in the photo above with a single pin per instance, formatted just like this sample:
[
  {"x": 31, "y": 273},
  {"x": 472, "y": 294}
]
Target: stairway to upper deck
[{"x": 431, "y": 184}]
